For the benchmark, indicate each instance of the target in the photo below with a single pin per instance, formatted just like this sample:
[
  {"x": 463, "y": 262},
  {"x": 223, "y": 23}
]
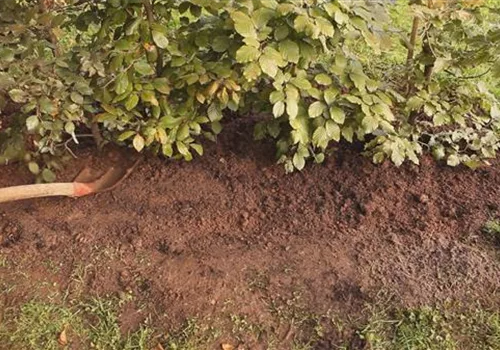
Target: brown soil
[{"x": 230, "y": 229}]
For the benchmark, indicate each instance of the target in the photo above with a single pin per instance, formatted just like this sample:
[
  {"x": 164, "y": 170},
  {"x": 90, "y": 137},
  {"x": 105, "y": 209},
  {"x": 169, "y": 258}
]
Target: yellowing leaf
[{"x": 138, "y": 143}]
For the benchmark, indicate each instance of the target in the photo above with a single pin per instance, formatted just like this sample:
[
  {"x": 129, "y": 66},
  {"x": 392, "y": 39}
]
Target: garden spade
[{"x": 86, "y": 183}]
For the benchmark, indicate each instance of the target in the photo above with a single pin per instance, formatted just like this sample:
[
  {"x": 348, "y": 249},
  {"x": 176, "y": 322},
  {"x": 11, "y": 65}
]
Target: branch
[{"x": 470, "y": 76}]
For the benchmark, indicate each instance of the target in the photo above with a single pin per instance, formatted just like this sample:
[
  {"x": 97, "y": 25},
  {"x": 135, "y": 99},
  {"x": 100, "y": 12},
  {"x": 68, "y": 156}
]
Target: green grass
[
  {"x": 492, "y": 229},
  {"x": 37, "y": 325},
  {"x": 433, "y": 329}
]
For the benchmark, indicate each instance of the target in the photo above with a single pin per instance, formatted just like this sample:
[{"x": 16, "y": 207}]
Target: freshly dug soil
[{"x": 230, "y": 228}]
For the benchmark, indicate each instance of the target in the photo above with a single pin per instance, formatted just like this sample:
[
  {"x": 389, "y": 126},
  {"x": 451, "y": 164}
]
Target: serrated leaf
[
  {"x": 290, "y": 51},
  {"x": 359, "y": 80},
  {"x": 301, "y": 83},
  {"x": 320, "y": 137},
  {"x": 369, "y": 124},
  {"x": 214, "y": 112},
  {"x": 252, "y": 71},
  {"x": 243, "y": 24},
  {"x": 414, "y": 103},
  {"x": 337, "y": 115},
  {"x": 247, "y": 54},
  {"x": 316, "y": 109},
  {"x": 268, "y": 65},
  {"x": 326, "y": 28},
  {"x": 331, "y": 94},
  {"x": 332, "y": 130}
]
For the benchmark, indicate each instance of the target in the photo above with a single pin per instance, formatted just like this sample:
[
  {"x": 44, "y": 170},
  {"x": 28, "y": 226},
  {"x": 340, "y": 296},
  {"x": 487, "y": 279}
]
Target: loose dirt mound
[{"x": 230, "y": 228}]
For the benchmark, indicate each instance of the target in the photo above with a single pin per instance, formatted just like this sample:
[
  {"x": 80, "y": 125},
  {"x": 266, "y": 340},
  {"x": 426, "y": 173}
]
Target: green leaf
[
  {"x": 369, "y": 124},
  {"x": 337, "y": 115},
  {"x": 298, "y": 161},
  {"x": 244, "y": 24},
  {"x": 262, "y": 16},
  {"x": 301, "y": 83},
  {"x": 331, "y": 94},
  {"x": 292, "y": 101},
  {"x": 131, "y": 102},
  {"x": 76, "y": 98},
  {"x": 281, "y": 32},
  {"x": 160, "y": 39},
  {"x": 290, "y": 51},
  {"x": 323, "y": 79},
  {"x": 252, "y": 71},
  {"x": 34, "y": 168},
  {"x": 320, "y": 138},
  {"x": 268, "y": 65},
  {"x": 48, "y": 175},
  {"x": 122, "y": 84},
  {"x": 332, "y": 130},
  {"x": 220, "y": 43},
  {"x": 325, "y": 27},
  {"x": 161, "y": 85},
  {"x": 46, "y": 105},
  {"x": 316, "y": 109},
  {"x": 126, "y": 135},
  {"x": 279, "y": 109},
  {"x": 138, "y": 143},
  {"x": 247, "y": 54},
  {"x": 214, "y": 112},
  {"x": 359, "y": 80},
  {"x": 415, "y": 103},
  {"x": 149, "y": 96},
  {"x": 18, "y": 95},
  {"x": 276, "y": 96},
  {"x": 144, "y": 68},
  {"x": 198, "y": 148}
]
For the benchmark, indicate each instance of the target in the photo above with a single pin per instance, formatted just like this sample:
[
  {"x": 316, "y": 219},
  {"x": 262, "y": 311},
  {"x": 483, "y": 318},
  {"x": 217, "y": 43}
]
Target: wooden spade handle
[{"x": 69, "y": 189}]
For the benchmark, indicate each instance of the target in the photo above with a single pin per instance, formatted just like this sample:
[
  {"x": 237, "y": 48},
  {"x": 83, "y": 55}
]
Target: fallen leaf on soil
[
  {"x": 63, "y": 338},
  {"x": 227, "y": 347},
  {"x": 159, "y": 347}
]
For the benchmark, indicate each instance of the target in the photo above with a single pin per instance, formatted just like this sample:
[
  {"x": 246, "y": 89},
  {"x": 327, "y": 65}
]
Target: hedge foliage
[{"x": 161, "y": 74}]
